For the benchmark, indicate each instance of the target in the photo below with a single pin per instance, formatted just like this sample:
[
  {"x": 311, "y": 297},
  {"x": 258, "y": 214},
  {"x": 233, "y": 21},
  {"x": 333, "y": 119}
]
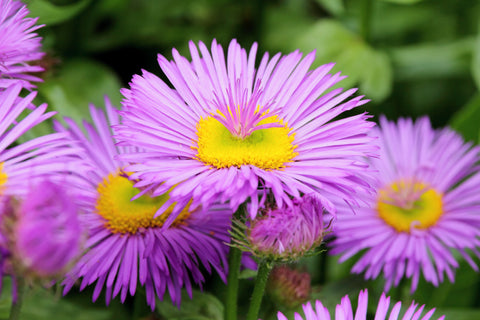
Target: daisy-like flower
[
  {"x": 126, "y": 245},
  {"x": 344, "y": 310},
  {"x": 19, "y": 45},
  {"x": 227, "y": 129},
  {"x": 24, "y": 165},
  {"x": 427, "y": 206}
]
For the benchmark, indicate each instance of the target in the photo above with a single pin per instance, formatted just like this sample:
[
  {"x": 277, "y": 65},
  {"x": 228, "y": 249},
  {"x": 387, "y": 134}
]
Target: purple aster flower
[
  {"x": 344, "y": 310},
  {"x": 47, "y": 230},
  {"x": 288, "y": 233},
  {"x": 26, "y": 164},
  {"x": 19, "y": 45},
  {"x": 426, "y": 207},
  {"x": 228, "y": 129},
  {"x": 127, "y": 245}
]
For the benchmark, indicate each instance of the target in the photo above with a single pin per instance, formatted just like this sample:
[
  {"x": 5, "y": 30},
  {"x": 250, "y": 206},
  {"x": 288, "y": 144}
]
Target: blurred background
[{"x": 410, "y": 57}]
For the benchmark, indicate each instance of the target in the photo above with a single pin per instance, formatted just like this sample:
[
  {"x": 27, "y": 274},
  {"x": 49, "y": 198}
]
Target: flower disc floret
[
  {"x": 125, "y": 215},
  {"x": 404, "y": 205},
  {"x": 3, "y": 178},
  {"x": 269, "y": 148}
]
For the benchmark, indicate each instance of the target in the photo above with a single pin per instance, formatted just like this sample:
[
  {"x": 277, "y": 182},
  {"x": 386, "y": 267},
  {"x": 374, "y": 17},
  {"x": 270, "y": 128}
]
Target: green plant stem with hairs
[
  {"x": 17, "y": 304},
  {"x": 258, "y": 291}
]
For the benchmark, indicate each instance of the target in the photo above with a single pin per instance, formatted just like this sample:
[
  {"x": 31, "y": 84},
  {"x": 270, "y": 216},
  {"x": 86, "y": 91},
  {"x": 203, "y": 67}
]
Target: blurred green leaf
[
  {"x": 403, "y": 1},
  {"x": 458, "y": 314},
  {"x": 467, "y": 120},
  {"x": 79, "y": 83},
  {"x": 42, "y": 304},
  {"x": 366, "y": 67},
  {"x": 476, "y": 61},
  {"x": 334, "y": 7},
  {"x": 429, "y": 60},
  {"x": 203, "y": 306},
  {"x": 51, "y": 14},
  {"x": 247, "y": 274}
]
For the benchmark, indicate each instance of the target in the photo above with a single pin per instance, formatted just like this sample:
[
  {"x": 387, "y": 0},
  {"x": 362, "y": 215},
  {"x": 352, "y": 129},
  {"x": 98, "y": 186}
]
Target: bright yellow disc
[
  {"x": 3, "y": 178},
  {"x": 270, "y": 148},
  {"x": 125, "y": 216},
  {"x": 403, "y": 203}
]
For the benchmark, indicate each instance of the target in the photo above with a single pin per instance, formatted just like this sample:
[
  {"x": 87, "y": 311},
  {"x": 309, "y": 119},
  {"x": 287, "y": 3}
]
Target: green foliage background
[{"x": 410, "y": 57}]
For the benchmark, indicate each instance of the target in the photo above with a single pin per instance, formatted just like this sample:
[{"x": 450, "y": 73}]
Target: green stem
[
  {"x": 366, "y": 19},
  {"x": 257, "y": 295},
  {"x": 17, "y": 305},
  {"x": 234, "y": 261}
]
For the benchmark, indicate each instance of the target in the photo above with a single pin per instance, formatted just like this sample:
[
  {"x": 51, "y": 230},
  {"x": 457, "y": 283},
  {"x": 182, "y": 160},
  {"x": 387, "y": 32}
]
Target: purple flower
[
  {"x": 288, "y": 233},
  {"x": 426, "y": 207},
  {"x": 344, "y": 310},
  {"x": 19, "y": 45},
  {"x": 26, "y": 164},
  {"x": 228, "y": 129},
  {"x": 47, "y": 230},
  {"x": 127, "y": 245}
]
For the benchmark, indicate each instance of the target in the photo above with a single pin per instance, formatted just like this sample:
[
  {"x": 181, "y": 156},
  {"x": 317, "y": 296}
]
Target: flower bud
[
  {"x": 289, "y": 287},
  {"x": 289, "y": 233}
]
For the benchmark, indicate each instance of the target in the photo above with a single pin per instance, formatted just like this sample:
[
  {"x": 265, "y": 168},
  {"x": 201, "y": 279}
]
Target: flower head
[
  {"x": 344, "y": 310},
  {"x": 19, "y": 45},
  {"x": 46, "y": 157},
  {"x": 228, "y": 129},
  {"x": 289, "y": 233},
  {"x": 47, "y": 230},
  {"x": 127, "y": 245},
  {"x": 427, "y": 206}
]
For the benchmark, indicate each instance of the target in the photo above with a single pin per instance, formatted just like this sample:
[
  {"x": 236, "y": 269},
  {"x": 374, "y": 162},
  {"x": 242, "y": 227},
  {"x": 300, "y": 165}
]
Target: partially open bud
[
  {"x": 289, "y": 287},
  {"x": 42, "y": 231},
  {"x": 287, "y": 234}
]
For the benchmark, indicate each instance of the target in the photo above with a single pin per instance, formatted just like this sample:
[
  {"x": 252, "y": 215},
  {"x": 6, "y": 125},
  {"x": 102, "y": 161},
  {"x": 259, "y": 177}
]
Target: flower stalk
[
  {"x": 17, "y": 303},
  {"x": 258, "y": 291}
]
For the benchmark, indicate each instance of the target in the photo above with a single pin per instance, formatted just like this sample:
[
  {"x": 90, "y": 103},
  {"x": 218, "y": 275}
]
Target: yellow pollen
[
  {"x": 3, "y": 178},
  {"x": 125, "y": 216},
  {"x": 403, "y": 203},
  {"x": 269, "y": 148}
]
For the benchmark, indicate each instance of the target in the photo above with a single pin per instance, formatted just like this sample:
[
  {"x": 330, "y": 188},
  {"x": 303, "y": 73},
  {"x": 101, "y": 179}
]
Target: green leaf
[
  {"x": 467, "y": 120},
  {"x": 51, "y": 14},
  {"x": 403, "y": 1},
  {"x": 334, "y": 7},
  {"x": 42, "y": 304},
  {"x": 79, "y": 83},
  {"x": 366, "y": 67},
  {"x": 426, "y": 60},
  {"x": 203, "y": 306},
  {"x": 458, "y": 314},
  {"x": 476, "y": 61}
]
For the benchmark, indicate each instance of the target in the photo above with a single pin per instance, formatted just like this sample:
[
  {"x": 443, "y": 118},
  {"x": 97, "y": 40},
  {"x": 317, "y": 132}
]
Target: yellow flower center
[
  {"x": 268, "y": 148},
  {"x": 125, "y": 216},
  {"x": 403, "y": 203},
  {"x": 3, "y": 178}
]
